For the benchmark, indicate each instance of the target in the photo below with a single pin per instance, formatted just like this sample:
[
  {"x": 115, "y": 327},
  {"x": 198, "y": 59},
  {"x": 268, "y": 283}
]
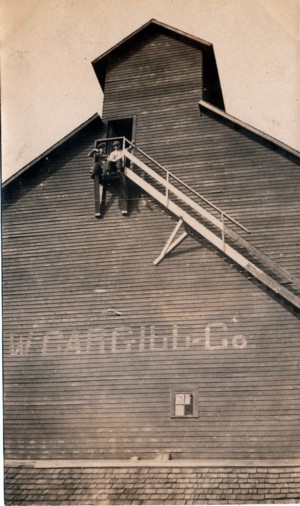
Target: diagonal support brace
[{"x": 171, "y": 245}]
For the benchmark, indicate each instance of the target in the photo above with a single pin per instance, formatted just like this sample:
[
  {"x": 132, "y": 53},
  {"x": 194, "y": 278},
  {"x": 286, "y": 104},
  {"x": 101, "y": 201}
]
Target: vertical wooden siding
[{"x": 96, "y": 337}]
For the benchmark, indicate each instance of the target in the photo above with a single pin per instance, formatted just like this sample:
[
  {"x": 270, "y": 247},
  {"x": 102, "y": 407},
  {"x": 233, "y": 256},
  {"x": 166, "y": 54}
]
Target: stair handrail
[
  {"x": 170, "y": 174},
  {"x": 188, "y": 219}
]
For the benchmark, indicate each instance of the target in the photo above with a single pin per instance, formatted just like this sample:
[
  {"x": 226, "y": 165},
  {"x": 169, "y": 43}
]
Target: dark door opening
[{"x": 123, "y": 127}]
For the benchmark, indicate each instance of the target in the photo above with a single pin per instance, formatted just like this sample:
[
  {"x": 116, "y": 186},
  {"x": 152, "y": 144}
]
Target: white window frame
[{"x": 184, "y": 390}]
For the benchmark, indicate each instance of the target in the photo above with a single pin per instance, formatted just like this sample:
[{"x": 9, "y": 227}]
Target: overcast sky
[{"x": 49, "y": 88}]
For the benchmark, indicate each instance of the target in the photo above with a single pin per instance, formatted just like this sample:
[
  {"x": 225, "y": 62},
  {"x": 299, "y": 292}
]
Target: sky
[{"x": 49, "y": 88}]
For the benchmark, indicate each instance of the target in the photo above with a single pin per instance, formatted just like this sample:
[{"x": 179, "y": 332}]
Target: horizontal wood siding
[
  {"x": 160, "y": 82},
  {"x": 96, "y": 338}
]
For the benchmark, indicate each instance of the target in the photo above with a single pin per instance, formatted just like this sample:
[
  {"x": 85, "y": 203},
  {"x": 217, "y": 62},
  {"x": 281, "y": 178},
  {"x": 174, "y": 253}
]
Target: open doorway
[{"x": 121, "y": 127}]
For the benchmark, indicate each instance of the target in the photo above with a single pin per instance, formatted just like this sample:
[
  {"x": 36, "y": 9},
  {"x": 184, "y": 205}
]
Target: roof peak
[
  {"x": 212, "y": 87},
  {"x": 146, "y": 25}
]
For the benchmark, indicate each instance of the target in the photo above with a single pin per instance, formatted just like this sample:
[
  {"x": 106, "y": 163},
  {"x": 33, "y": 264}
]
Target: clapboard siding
[
  {"x": 255, "y": 183},
  {"x": 158, "y": 83},
  {"x": 66, "y": 274},
  {"x": 96, "y": 337}
]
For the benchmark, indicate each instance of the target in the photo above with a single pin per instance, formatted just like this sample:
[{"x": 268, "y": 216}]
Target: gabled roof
[
  {"x": 212, "y": 88},
  {"x": 220, "y": 114},
  {"x": 51, "y": 149}
]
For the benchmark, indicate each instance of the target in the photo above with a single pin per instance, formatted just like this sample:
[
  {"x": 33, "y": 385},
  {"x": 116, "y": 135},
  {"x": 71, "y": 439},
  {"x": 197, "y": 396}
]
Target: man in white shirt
[
  {"x": 115, "y": 157},
  {"x": 115, "y": 163}
]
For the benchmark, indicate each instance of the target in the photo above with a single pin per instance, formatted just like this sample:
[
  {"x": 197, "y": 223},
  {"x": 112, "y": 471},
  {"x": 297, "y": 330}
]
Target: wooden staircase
[{"x": 173, "y": 194}]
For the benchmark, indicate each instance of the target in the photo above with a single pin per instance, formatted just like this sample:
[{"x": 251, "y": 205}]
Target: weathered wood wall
[
  {"x": 160, "y": 82},
  {"x": 96, "y": 337}
]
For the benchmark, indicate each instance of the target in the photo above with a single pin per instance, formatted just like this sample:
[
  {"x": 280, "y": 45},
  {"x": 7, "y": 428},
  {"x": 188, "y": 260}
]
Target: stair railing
[
  {"x": 170, "y": 175},
  {"x": 188, "y": 219}
]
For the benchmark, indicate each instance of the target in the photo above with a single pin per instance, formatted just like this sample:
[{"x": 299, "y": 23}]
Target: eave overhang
[{"x": 220, "y": 114}]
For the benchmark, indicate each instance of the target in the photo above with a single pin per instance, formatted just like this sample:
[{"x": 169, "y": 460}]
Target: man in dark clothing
[
  {"x": 96, "y": 173},
  {"x": 100, "y": 157}
]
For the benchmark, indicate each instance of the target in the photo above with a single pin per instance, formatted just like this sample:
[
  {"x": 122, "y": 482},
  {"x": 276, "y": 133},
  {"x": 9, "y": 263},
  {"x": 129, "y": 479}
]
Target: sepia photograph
[{"x": 150, "y": 252}]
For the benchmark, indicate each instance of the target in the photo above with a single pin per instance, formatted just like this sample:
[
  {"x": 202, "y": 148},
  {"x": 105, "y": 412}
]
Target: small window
[{"x": 184, "y": 403}]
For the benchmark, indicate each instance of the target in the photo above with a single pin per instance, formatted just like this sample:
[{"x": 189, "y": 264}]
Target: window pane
[
  {"x": 188, "y": 409},
  {"x": 179, "y": 410},
  {"x": 188, "y": 399},
  {"x": 179, "y": 399}
]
